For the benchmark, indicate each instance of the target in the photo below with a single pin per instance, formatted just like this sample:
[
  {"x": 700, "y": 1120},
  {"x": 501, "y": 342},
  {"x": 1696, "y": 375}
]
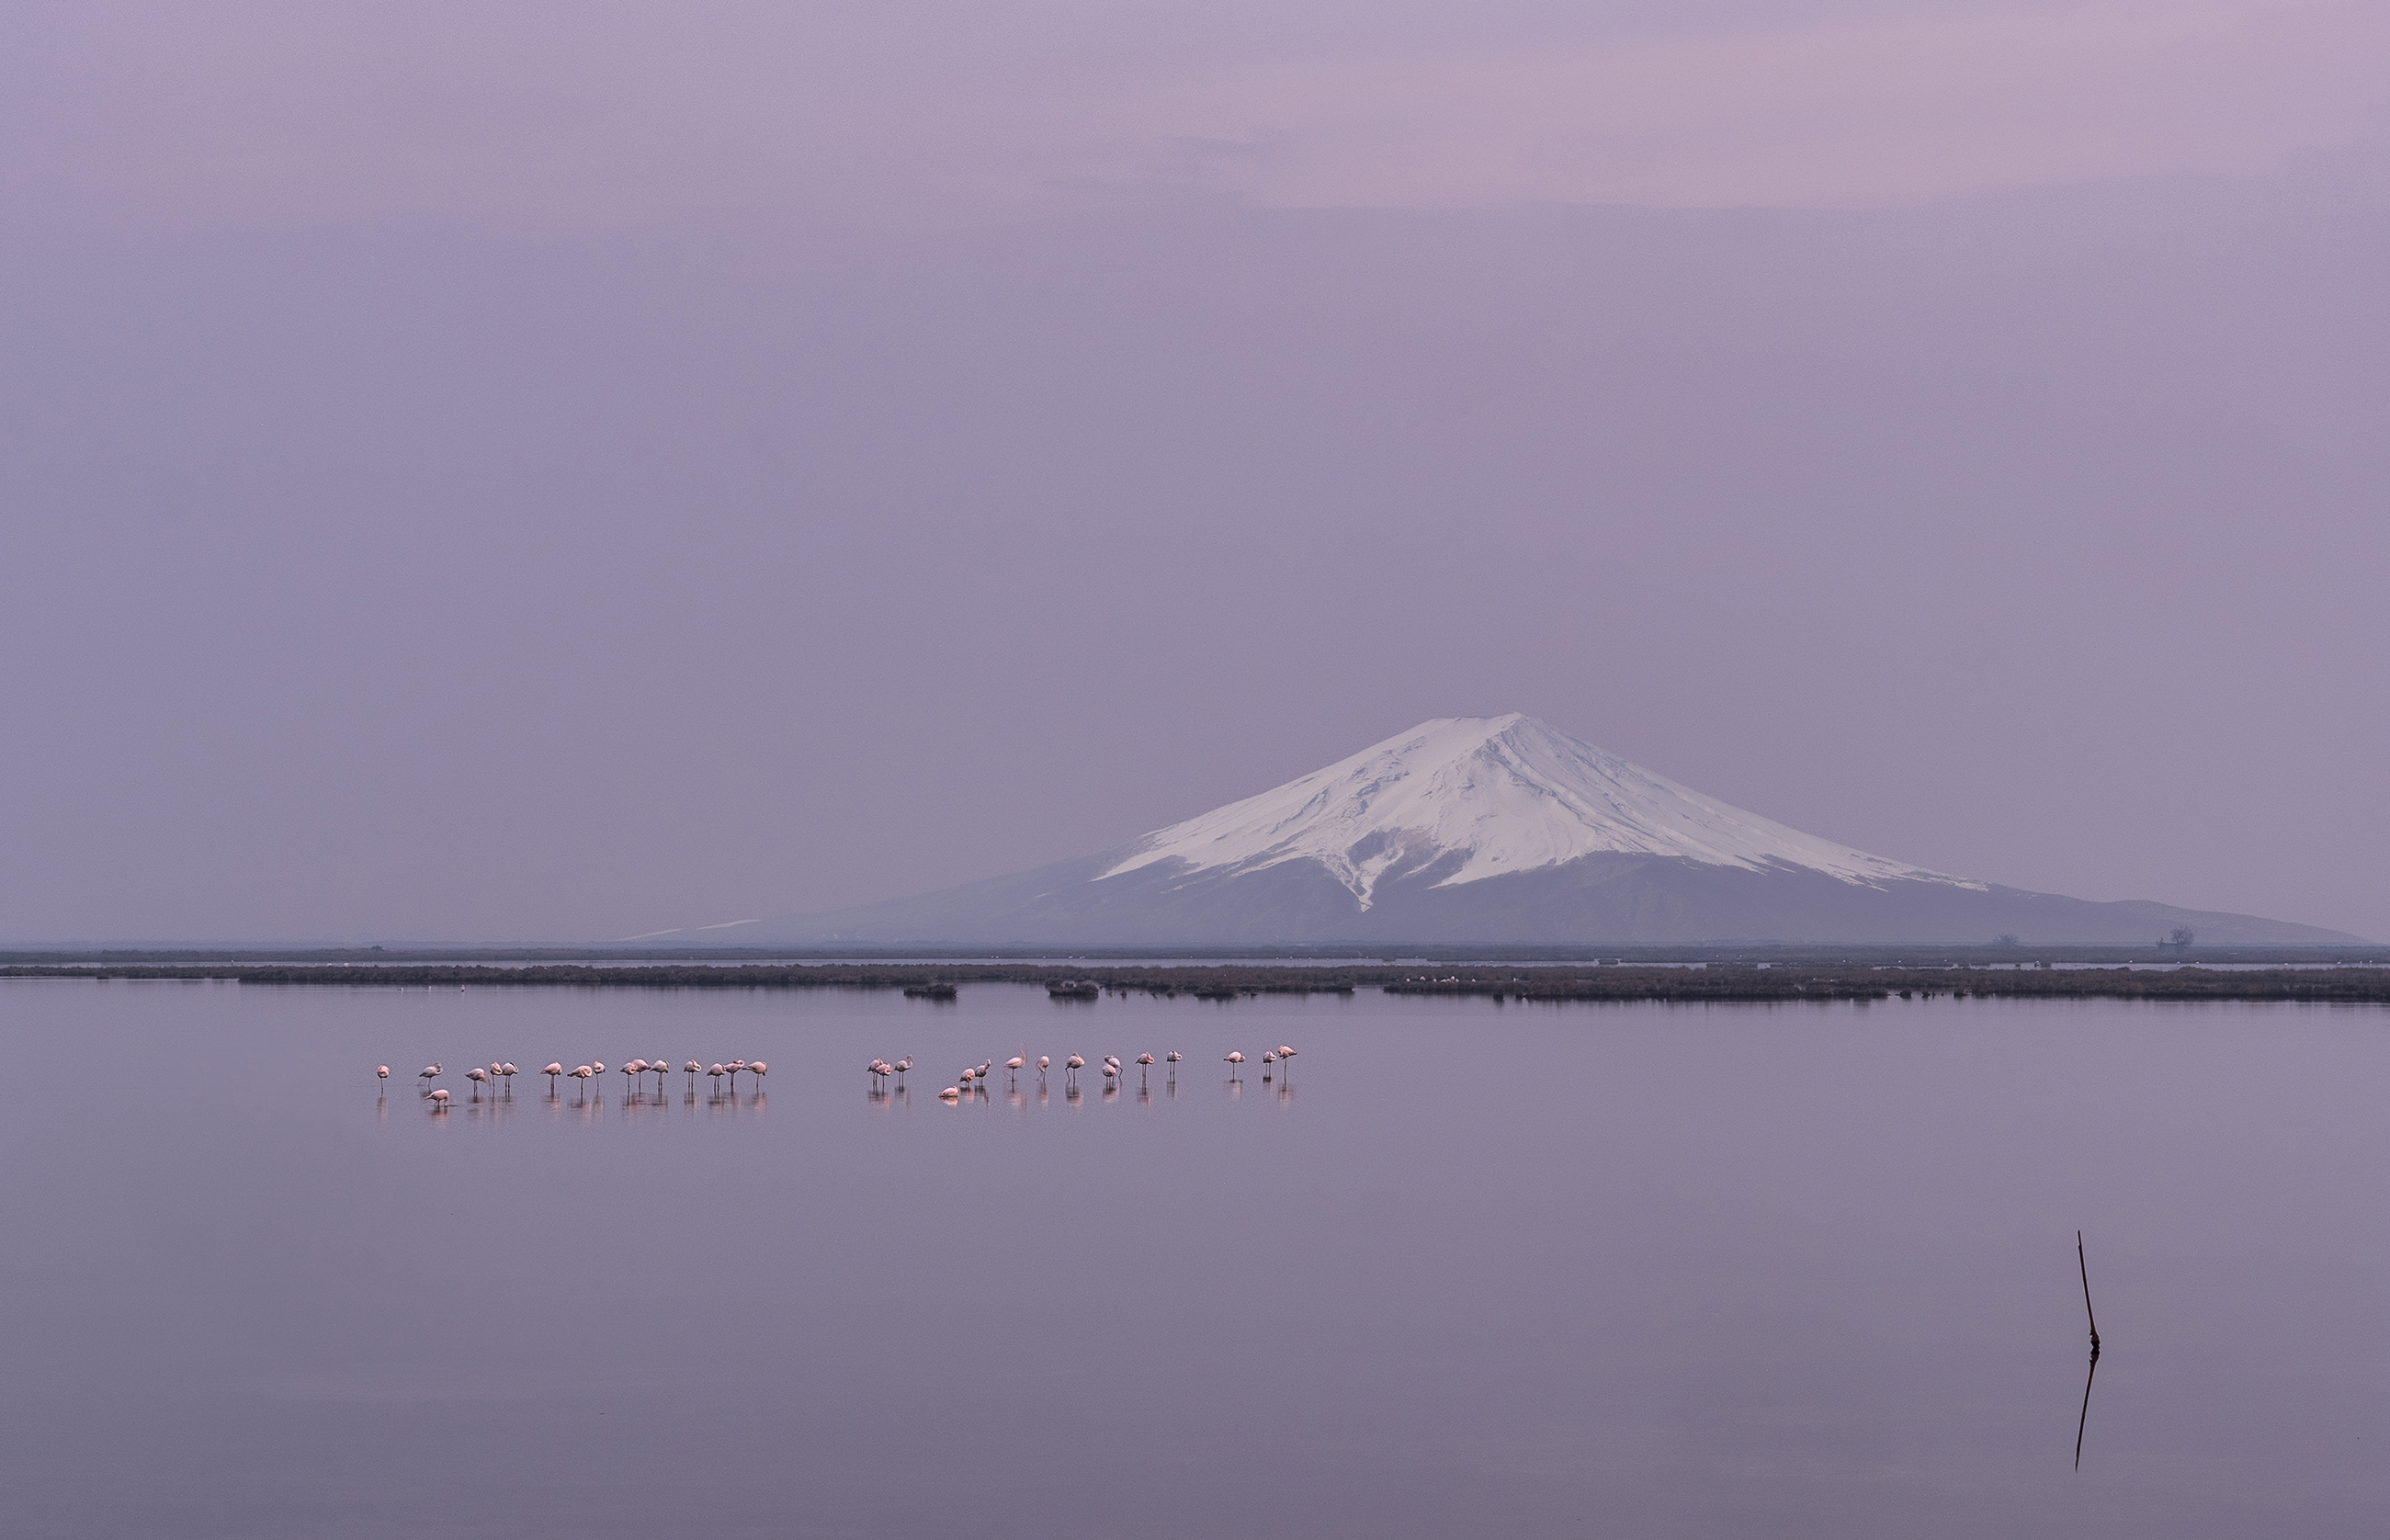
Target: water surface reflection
[{"x": 1776, "y": 1271}]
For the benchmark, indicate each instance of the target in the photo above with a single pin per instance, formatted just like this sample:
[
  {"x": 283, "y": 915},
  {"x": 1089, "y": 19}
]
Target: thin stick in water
[
  {"x": 2092, "y": 1370},
  {"x": 2085, "y": 1266}
]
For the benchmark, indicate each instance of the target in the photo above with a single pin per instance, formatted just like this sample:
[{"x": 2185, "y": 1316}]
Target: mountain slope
[{"x": 1490, "y": 830}]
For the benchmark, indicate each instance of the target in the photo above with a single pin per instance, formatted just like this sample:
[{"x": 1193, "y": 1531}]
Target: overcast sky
[{"x": 561, "y": 472}]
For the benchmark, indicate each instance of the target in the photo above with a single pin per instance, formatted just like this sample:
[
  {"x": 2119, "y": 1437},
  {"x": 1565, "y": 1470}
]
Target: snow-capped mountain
[
  {"x": 1490, "y": 830},
  {"x": 1498, "y": 794}
]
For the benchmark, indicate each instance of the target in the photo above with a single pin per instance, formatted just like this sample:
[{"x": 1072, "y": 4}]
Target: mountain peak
[
  {"x": 1493, "y": 831},
  {"x": 1488, "y": 796}
]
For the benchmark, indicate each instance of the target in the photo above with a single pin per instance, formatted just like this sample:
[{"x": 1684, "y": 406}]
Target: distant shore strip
[{"x": 1713, "y": 983}]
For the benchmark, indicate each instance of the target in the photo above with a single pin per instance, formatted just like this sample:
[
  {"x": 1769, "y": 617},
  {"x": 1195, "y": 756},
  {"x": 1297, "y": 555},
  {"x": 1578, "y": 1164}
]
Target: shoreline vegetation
[{"x": 2049, "y": 975}]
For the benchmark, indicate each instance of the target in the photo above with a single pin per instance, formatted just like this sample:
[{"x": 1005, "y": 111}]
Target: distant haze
[{"x": 559, "y": 474}]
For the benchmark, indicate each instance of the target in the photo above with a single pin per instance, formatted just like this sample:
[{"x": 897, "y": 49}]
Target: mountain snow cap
[{"x": 1508, "y": 794}]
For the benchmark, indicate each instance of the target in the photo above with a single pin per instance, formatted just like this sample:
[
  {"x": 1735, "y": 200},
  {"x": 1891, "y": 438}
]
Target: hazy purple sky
[{"x": 558, "y": 472}]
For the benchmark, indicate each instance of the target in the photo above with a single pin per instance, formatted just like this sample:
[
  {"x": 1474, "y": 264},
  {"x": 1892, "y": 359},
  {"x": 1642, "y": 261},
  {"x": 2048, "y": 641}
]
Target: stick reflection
[{"x": 2084, "y": 1421}]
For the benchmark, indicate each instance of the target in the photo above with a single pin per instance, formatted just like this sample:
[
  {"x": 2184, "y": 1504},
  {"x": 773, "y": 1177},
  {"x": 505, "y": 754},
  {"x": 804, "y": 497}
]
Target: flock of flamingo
[
  {"x": 1274, "y": 1060},
  {"x": 975, "y": 1075},
  {"x": 502, "y": 1073}
]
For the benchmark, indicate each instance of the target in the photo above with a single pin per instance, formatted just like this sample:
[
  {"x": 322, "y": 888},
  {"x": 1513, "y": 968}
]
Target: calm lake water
[{"x": 1478, "y": 1270}]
